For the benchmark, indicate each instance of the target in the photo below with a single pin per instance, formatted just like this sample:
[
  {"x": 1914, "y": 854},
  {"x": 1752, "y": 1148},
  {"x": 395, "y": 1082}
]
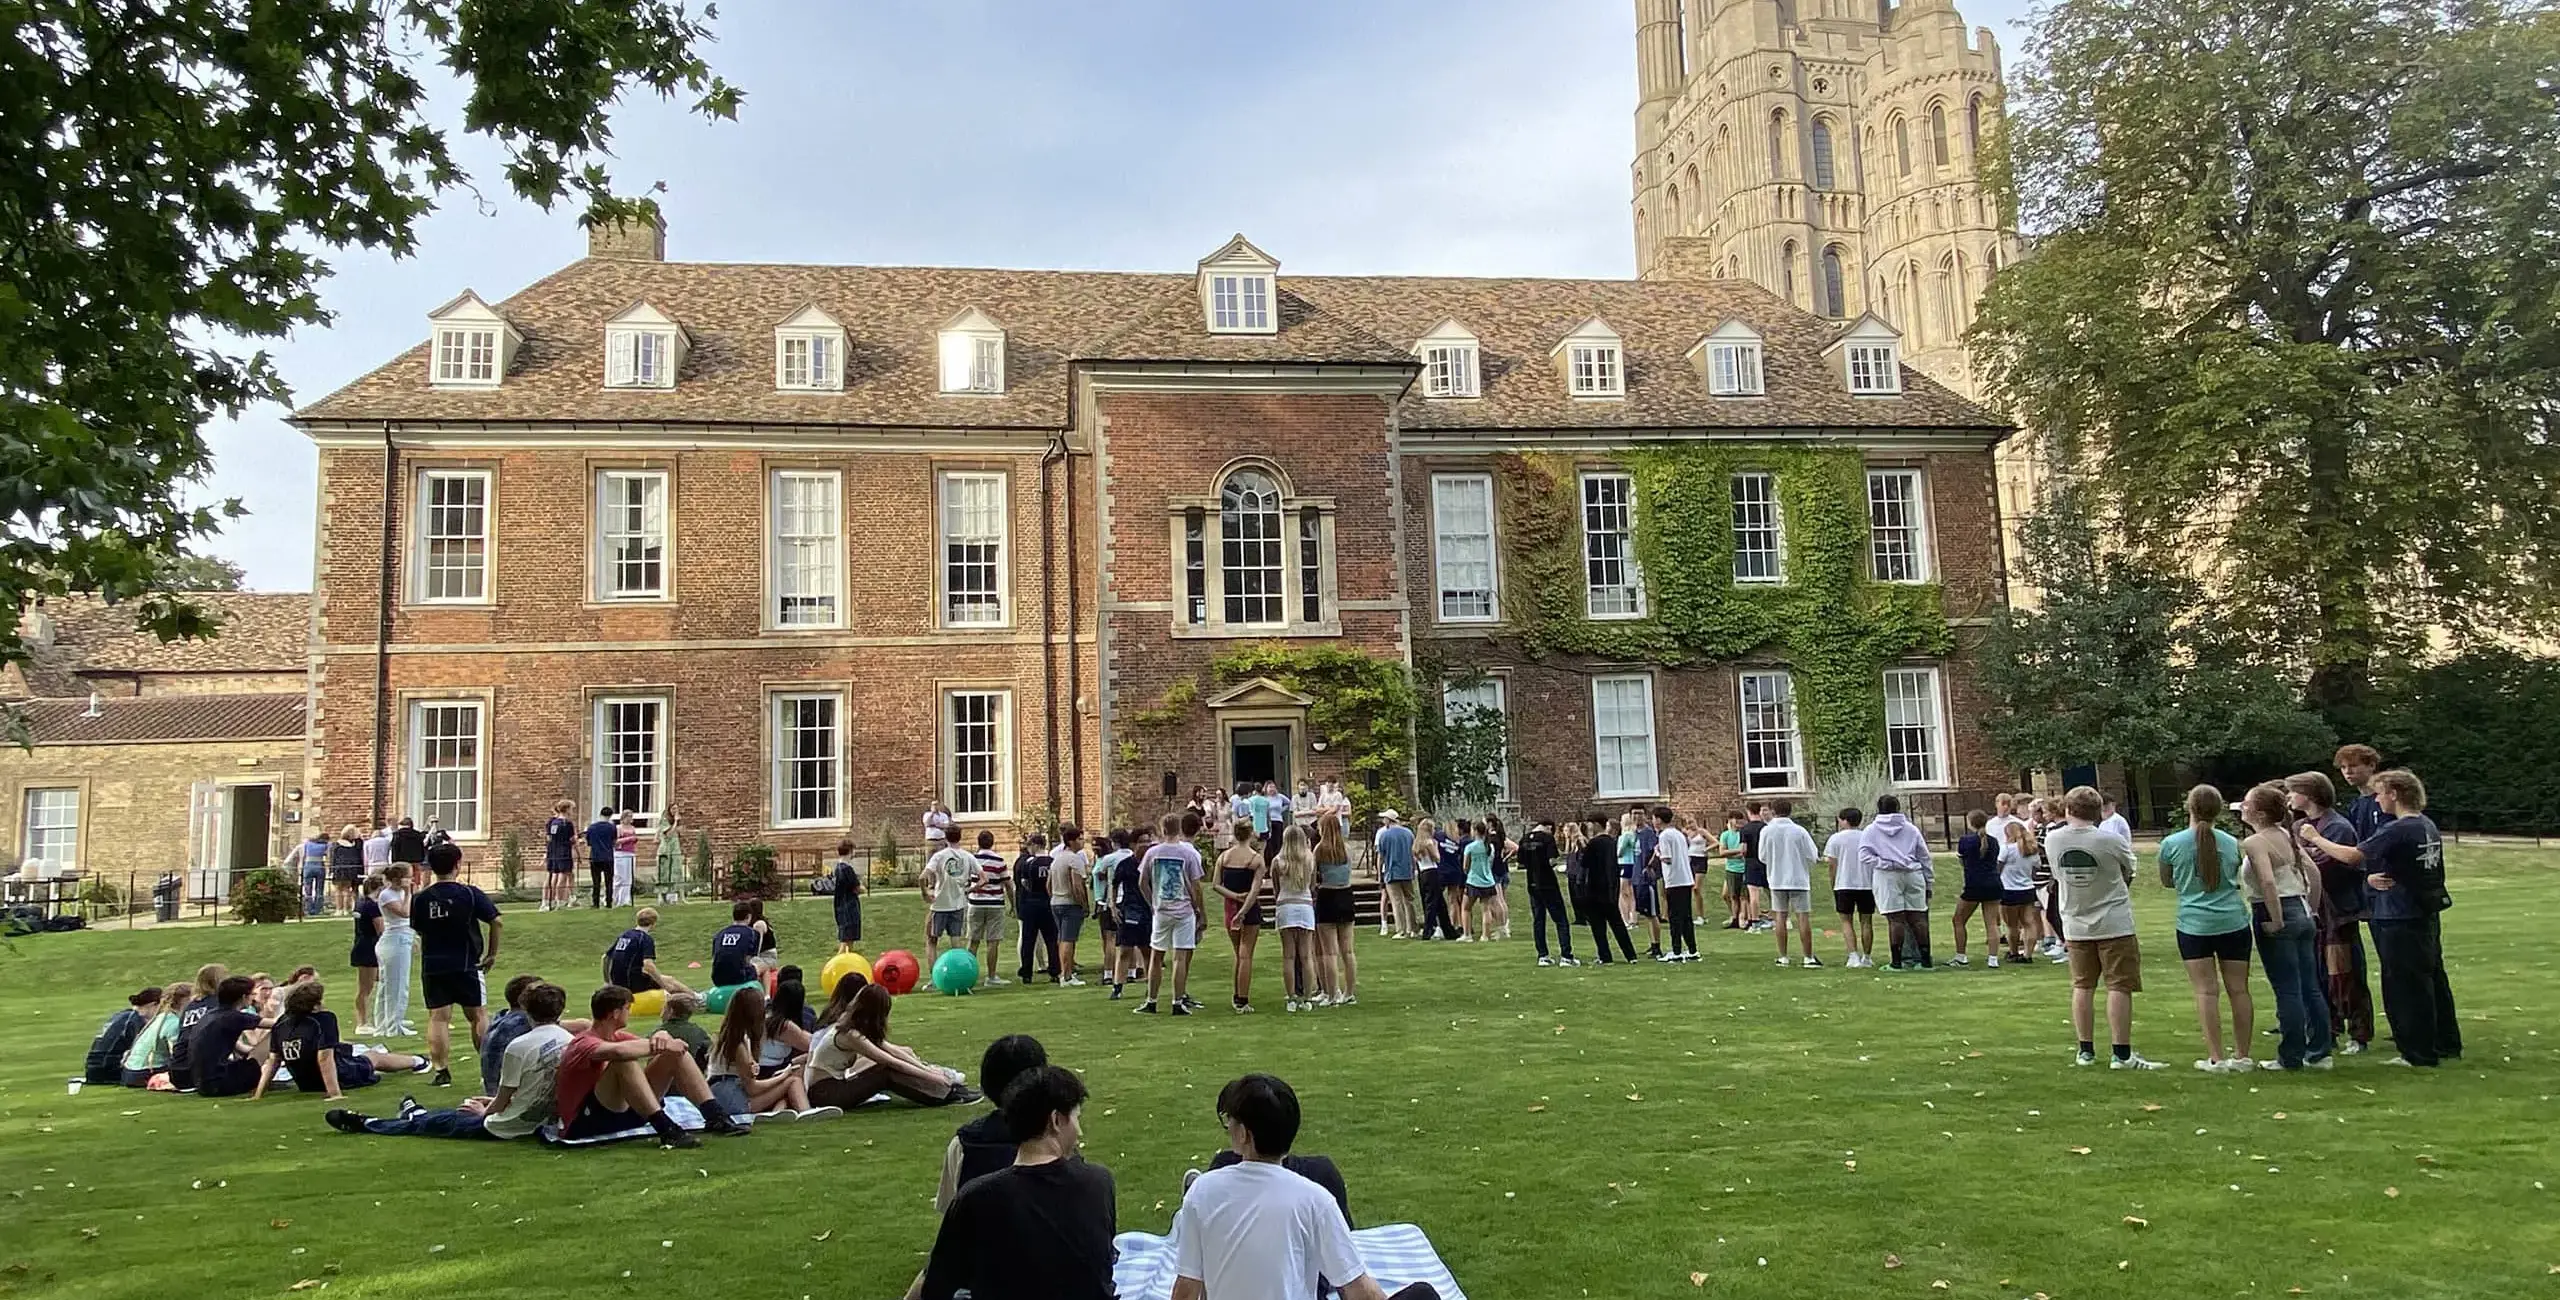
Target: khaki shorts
[
  {"x": 2116, "y": 963},
  {"x": 985, "y": 923}
]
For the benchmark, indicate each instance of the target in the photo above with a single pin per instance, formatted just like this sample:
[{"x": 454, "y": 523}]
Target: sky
[{"x": 1476, "y": 137}]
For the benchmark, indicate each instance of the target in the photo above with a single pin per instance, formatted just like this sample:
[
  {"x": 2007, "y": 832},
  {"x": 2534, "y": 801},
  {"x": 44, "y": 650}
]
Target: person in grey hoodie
[{"x": 1894, "y": 850}]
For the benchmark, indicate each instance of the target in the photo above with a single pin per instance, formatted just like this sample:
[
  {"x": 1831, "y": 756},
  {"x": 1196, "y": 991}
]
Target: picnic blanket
[
  {"x": 1398, "y": 1255},
  {"x": 686, "y": 1115}
]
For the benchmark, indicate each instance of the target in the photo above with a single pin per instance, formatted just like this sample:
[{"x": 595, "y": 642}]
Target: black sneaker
[
  {"x": 345, "y": 1121},
  {"x": 1148, "y": 1008},
  {"x": 1179, "y": 1009},
  {"x": 1115, "y": 992},
  {"x": 727, "y": 1128},
  {"x": 443, "y": 1079},
  {"x": 409, "y": 1106},
  {"x": 679, "y": 1140}
]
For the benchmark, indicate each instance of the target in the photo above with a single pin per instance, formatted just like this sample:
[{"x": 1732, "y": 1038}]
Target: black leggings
[
  {"x": 1039, "y": 925},
  {"x": 1603, "y": 915},
  {"x": 1684, "y": 925},
  {"x": 2416, "y": 997},
  {"x": 600, "y": 882},
  {"x": 1544, "y": 903}
]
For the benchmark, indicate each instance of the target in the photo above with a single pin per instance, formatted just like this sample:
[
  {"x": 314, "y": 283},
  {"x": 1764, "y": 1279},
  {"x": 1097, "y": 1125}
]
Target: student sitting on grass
[
  {"x": 182, "y": 1073},
  {"x": 105, "y": 1061},
  {"x": 1041, "y": 1226},
  {"x": 732, "y": 1072},
  {"x": 149, "y": 1054},
  {"x": 613, "y": 1082},
  {"x": 632, "y": 961},
  {"x": 1254, "y": 1228},
  {"x": 507, "y": 1027},
  {"x": 305, "y": 1045},
  {"x": 225, "y": 1047},
  {"x": 677, "y": 1019},
  {"x": 852, "y": 1060},
  {"x": 526, "y": 1083},
  {"x": 985, "y": 1144}
]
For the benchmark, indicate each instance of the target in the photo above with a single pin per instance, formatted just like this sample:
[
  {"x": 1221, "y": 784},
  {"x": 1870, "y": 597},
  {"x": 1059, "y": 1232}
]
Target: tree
[
  {"x": 2123, "y": 661},
  {"x": 188, "y": 571},
  {"x": 2294, "y": 306},
  {"x": 174, "y": 172},
  {"x": 1460, "y": 749}
]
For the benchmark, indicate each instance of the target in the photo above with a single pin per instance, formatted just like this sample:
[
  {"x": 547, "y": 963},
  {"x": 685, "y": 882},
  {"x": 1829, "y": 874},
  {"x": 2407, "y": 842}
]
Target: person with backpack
[
  {"x": 105, "y": 1062},
  {"x": 2403, "y": 866}
]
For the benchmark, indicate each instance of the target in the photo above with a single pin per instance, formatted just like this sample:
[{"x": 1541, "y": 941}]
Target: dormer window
[
  {"x": 1594, "y": 364},
  {"x": 642, "y": 349},
  {"x": 1867, "y": 356},
  {"x": 972, "y": 354},
  {"x": 808, "y": 352},
  {"x": 1238, "y": 288},
  {"x": 1449, "y": 366},
  {"x": 1729, "y": 358},
  {"x": 472, "y": 345}
]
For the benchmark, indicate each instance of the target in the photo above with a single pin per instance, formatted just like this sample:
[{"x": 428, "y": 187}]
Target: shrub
[
  {"x": 886, "y": 866},
  {"x": 265, "y": 895},
  {"x": 101, "y": 898},
  {"x": 1853, "y": 786},
  {"x": 753, "y": 873},
  {"x": 511, "y": 863}
]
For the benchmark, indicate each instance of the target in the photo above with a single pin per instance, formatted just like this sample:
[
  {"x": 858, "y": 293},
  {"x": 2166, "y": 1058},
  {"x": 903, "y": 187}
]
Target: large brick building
[{"x": 800, "y": 549}]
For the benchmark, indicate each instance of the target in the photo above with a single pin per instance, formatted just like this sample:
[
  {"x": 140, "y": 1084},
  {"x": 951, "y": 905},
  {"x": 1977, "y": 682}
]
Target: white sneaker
[
  {"x": 365, "y": 1030},
  {"x": 1546, "y": 961},
  {"x": 1567, "y": 961},
  {"x": 1813, "y": 962},
  {"x": 2241, "y": 1065},
  {"x": 785, "y": 1116},
  {"x": 1992, "y": 962},
  {"x": 997, "y": 981},
  {"x": 2351, "y": 1048},
  {"x": 2084, "y": 1058},
  {"x": 1290, "y": 1005},
  {"x": 2214, "y": 1067},
  {"x": 1073, "y": 982},
  {"x": 1346, "y": 1000},
  {"x": 816, "y": 1113},
  {"x": 1959, "y": 960},
  {"x": 1783, "y": 962},
  {"x": 2133, "y": 1062}
]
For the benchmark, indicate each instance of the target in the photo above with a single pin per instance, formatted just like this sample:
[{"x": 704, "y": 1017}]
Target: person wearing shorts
[
  {"x": 1755, "y": 869},
  {"x": 447, "y": 916},
  {"x": 559, "y": 867},
  {"x": 2093, "y": 872},
  {"x": 613, "y": 1082},
  {"x": 1787, "y": 853},
  {"x": 1170, "y": 876},
  {"x": 987, "y": 891},
  {"x": 1853, "y": 894},
  {"x": 1978, "y": 854},
  {"x": 346, "y": 865},
  {"x": 1070, "y": 889},
  {"x": 1240, "y": 872},
  {"x": 945, "y": 886},
  {"x": 1131, "y": 912}
]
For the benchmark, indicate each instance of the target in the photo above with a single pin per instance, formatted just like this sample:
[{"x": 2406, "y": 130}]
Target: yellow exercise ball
[
  {"x": 839, "y": 966},
  {"x": 649, "y": 1002}
]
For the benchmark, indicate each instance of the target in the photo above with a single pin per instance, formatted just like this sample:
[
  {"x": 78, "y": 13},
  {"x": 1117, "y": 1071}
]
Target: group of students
[
  {"x": 1146, "y": 891},
  {"x": 612, "y": 842},
  {"x": 335, "y": 870}
]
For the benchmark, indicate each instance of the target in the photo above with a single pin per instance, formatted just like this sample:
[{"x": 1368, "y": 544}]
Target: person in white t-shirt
[
  {"x": 945, "y": 886},
  {"x": 1679, "y": 883},
  {"x": 1786, "y": 850},
  {"x": 1256, "y": 1231},
  {"x": 523, "y": 1102},
  {"x": 2114, "y": 823},
  {"x": 1853, "y": 893}
]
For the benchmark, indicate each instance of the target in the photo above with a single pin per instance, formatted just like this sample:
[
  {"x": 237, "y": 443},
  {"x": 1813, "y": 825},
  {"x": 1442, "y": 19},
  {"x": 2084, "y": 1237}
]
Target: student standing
[
  {"x": 600, "y": 835},
  {"x": 1031, "y": 907},
  {"x": 1070, "y": 891},
  {"x": 2280, "y": 889},
  {"x": 1294, "y": 871},
  {"x": 844, "y": 887},
  {"x": 2093, "y": 874},
  {"x": 1337, "y": 973},
  {"x": 1399, "y": 909},
  {"x": 1898, "y": 861},
  {"x": 2202, "y": 863},
  {"x": 1432, "y": 849},
  {"x": 395, "y": 947},
  {"x": 1538, "y": 853},
  {"x": 1978, "y": 854},
  {"x": 1853, "y": 893},
  {"x": 986, "y": 910},
  {"x": 364, "y": 955},
  {"x": 1787, "y": 851},
  {"x": 1111, "y": 848},
  {"x": 1171, "y": 871},
  {"x": 1679, "y": 885},
  {"x": 1755, "y": 869},
  {"x": 1133, "y": 911},
  {"x": 1603, "y": 892},
  {"x": 2021, "y": 855},
  {"x": 1240, "y": 872},
  {"x": 2338, "y": 911},
  {"x": 448, "y": 915},
  {"x": 314, "y": 858},
  {"x": 559, "y": 868},
  {"x": 1477, "y": 853},
  {"x": 945, "y": 886},
  {"x": 1499, "y": 838},
  {"x": 626, "y": 857},
  {"x": 346, "y": 865},
  {"x": 1453, "y": 878},
  {"x": 1635, "y": 846},
  {"x": 2114, "y": 823},
  {"x": 2403, "y": 865},
  {"x": 1729, "y": 851}
]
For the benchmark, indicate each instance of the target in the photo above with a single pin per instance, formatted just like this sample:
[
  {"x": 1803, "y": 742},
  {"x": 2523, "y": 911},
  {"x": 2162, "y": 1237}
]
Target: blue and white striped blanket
[{"x": 1398, "y": 1255}]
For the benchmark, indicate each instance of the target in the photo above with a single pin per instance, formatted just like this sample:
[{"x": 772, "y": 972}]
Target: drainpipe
[
  {"x": 1075, "y": 715},
  {"x": 1048, "y": 614},
  {"x": 382, "y": 618}
]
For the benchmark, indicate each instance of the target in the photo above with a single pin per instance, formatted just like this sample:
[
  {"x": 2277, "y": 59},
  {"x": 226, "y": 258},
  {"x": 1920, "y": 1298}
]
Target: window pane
[
  {"x": 1224, "y": 312},
  {"x": 795, "y": 364},
  {"x": 1769, "y": 732},
  {"x": 1756, "y": 541},
  {"x": 445, "y": 764},
  {"x": 1195, "y": 566},
  {"x": 1622, "y": 732},
  {"x": 454, "y": 536},
  {"x": 52, "y": 828},
  {"x": 805, "y": 547},
  {"x": 1462, "y": 514},
  {"x": 630, "y": 763},
  {"x": 1310, "y": 566},
  {"x": 975, "y": 743},
  {"x": 1249, "y": 541},
  {"x": 1257, "y": 302},
  {"x": 631, "y": 526},
  {"x": 973, "y": 536},
  {"x": 1612, "y": 585},
  {"x": 1822, "y": 171},
  {"x": 1914, "y": 748},
  {"x": 1893, "y": 517},
  {"x": 805, "y": 758}
]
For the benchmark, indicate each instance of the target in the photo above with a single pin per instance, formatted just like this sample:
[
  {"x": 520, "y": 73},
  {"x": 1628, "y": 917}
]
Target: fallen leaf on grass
[
  {"x": 2136, "y": 1222},
  {"x": 2123, "y": 1264},
  {"x": 2426, "y": 1160},
  {"x": 1940, "y": 1285},
  {"x": 2279, "y": 1114},
  {"x": 2150, "y": 1106},
  {"x": 307, "y": 1284},
  {"x": 2392, "y": 1192},
  {"x": 2079, "y": 1151},
  {"x": 1893, "y": 1261},
  {"x": 88, "y": 1234},
  {"x": 824, "y": 1235},
  {"x": 1697, "y": 1279},
  {"x": 1635, "y": 1096},
  {"x": 279, "y": 1224},
  {"x": 1850, "y": 1165},
  {"x": 1535, "y": 1109},
  {"x": 1972, "y": 1056}
]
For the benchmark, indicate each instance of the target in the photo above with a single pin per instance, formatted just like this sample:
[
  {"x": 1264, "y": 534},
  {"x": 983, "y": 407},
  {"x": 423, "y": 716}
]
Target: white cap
[{"x": 1388, "y": 815}]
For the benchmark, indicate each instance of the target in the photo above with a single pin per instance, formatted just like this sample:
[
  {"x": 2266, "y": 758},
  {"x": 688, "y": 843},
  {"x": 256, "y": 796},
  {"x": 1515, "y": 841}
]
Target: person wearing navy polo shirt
[
  {"x": 447, "y": 916},
  {"x": 600, "y": 836},
  {"x": 733, "y": 949},
  {"x": 2403, "y": 865}
]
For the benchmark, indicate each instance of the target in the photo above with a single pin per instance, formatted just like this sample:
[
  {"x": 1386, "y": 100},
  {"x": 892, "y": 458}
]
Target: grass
[{"x": 1558, "y": 1133}]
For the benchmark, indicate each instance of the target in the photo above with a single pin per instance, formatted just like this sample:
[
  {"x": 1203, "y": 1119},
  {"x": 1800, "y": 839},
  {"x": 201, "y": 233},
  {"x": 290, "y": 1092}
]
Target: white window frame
[
  {"x": 1875, "y": 369},
  {"x": 42, "y": 811},
  {"x": 1733, "y": 369},
  {"x": 468, "y": 356},
  {"x": 820, "y": 367},
  {"x": 778, "y": 551},
  {"x": 1914, "y": 556},
  {"x": 948, "y": 727},
  {"x": 1488, "y": 692},
  {"x": 946, "y": 512},
  {"x": 637, "y": 356},
  {"x": 414, "y": 756},
  {"x": 1603, "y": 742},
  {"x": 1453, "y": 600},
  {"x": 602, "y": 785},
  {"x": 1240, "y": 302},
  {"x": 781, "y": 730},
  {"x": 1775, "y": 528},
  {"x": 477, "y": 570},
  {"x": 1765, "y": 715},
  {"x": 1595, "y": 368},
  {"x": 608, "y": 533},
  {"x": 1279, "y": 545},
  {"x": 972, "y": 362},
  {"x": 1449, "y": 370},
  {"x": 1923, "y": 685},
  {"x": 1630, "y": 584}
]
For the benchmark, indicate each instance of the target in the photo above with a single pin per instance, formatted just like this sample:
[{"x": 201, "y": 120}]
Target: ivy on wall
[
  {"x": 1364, "y": 710},
  {"x": 1831, "y": 625}
]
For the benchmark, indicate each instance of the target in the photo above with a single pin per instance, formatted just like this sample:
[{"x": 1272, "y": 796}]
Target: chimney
[{"x": 642, "y": 239}]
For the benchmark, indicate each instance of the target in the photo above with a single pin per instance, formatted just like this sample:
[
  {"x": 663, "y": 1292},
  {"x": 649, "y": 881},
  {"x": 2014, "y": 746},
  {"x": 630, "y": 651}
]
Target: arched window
[
  {"x": 1697, "y": 199},
  {"x": 1787, "y": 271},
  {"x": 1250, "y": 568},
  {"x": 1959, "y": 294},
  {"x": 1902, "y": 145},
  {"x": 1679, "y": 215},
  {"x": 1824, "y": 176},
  {"x": 1835, "y": 295},
  {"x": 1938, "y": 134},
  {"x": 1911, "y": 307},
  {"x": 1733, "y": 267},
  {"x": 1973, "y": 126},
  {"x": 1884, "y": 299},
  {"x": 1778, "y": 144}
]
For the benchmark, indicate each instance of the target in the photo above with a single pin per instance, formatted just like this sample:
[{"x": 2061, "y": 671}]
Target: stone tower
[{"x": 1830, "y": 151}]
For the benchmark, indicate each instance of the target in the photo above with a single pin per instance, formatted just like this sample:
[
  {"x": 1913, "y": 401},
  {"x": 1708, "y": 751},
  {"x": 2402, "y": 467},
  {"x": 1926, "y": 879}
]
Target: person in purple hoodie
[{"x": 1894, "y": 850}]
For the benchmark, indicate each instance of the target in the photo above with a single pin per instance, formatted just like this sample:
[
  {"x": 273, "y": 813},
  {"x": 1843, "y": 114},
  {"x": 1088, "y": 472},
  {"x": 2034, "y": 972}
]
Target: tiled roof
[
  {"x": 128, "y": 720},
  {"x": 260, "y": 632},
  {"x": 1056, "y": 318}
]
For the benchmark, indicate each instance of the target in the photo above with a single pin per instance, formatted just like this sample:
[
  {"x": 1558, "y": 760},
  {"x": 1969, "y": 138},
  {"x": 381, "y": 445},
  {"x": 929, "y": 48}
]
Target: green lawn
[{"x": 1558, "y": 1133}]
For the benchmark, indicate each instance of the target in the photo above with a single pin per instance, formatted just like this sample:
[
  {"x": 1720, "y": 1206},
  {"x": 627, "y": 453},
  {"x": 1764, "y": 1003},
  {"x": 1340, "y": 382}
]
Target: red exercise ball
[{"x": 896, "y": 971}]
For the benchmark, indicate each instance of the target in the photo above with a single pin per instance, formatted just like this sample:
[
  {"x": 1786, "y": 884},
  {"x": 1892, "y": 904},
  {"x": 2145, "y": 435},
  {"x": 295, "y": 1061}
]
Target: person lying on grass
[
  {"x": 527, "y": 1082},
  {"x": 305, "y": 1045}
]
